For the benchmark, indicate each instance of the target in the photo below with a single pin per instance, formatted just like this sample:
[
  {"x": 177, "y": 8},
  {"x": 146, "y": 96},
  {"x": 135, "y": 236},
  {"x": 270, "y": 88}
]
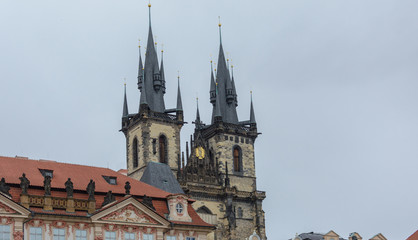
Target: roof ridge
[{"x": 53, "y": 161}]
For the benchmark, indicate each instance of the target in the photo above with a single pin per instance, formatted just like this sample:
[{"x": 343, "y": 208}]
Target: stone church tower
[
  {"x": 219, "y": 168},
  {"x": 152, "y": 134}
]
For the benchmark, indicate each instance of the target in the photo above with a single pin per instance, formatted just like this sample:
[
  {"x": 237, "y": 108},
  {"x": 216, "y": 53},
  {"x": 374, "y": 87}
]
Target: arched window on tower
[
  {"x": 162, "y": 143},
  {"x": 135, "y": 153},
  {"x": 237, "y": 159}
]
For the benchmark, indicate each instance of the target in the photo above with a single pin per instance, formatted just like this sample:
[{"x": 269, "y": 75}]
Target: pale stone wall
[
  {"x": 217, "y": 208},
  {"x": 223, "y": 148},
  {"x": 147, "y": 135}
]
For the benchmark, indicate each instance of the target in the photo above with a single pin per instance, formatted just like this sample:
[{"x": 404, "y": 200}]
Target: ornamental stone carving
[{"x": 129, "y": 214}]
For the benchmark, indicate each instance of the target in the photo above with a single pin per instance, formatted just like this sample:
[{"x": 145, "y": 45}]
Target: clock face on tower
[{"x": 200, "y": 152}]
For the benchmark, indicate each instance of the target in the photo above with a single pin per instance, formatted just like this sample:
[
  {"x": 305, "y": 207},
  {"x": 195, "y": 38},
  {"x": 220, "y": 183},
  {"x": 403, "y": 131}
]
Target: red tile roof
[
  {"x": 414, "y": 236},
  {"x": 12, "y": 168}
]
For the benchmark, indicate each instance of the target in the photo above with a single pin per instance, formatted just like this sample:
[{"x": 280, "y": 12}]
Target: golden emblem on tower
[{"x": 200, "y": 152}]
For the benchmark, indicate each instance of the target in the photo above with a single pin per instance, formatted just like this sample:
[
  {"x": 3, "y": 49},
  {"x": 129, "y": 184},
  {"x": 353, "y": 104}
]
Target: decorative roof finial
[
  {"x": 149, "y": 12},
  {"x": 139, "y": 43},
  {"x": 220, "y": 32},
  {"x": 227, "y": 60},
  {"x": 155, "y": 43}
]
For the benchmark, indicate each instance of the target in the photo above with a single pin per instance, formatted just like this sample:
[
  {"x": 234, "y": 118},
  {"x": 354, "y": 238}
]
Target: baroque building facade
[
  {"x": 218, "y": 170},
  {"x": 47, "y": 200}
]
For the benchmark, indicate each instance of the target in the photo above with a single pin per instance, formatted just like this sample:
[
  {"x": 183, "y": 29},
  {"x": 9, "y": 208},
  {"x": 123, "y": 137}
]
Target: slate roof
[{"x": 160, "y": 176}]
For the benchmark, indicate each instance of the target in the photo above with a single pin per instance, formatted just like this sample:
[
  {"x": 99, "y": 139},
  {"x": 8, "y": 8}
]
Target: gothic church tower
[
  {"x": 152, "y": 134},
  {"x": 220, "y": 169}
]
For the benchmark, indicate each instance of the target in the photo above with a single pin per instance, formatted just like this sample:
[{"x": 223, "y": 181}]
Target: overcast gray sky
[{"x": 334, "y": 82}]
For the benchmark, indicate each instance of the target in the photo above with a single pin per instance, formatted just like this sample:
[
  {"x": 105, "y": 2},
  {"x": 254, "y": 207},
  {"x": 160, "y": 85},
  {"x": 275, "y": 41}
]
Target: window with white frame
[
  {"x": 148, "y": 237},
  {"x": 171, "y": 238},
  {"x": 129, "y": 236},
  {"x": 110, "y": 235},
  {"x": 80, "y": 234},
  {"x": 35, "y": 233},
  {"x": 190, "y": 238},
  {"x": 4, "y": 232},
  {"x": 59, "y": 234}
]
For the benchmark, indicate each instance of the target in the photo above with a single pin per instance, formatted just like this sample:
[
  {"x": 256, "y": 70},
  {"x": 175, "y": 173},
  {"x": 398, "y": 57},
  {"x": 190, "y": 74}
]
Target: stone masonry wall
[
  {"x": 147, "y": 133},
  {"x": 223, "y": 147}
]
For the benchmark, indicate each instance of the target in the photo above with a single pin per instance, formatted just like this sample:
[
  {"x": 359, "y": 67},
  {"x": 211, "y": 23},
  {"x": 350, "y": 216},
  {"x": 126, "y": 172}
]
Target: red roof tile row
[{"x": 12, "y": 168}]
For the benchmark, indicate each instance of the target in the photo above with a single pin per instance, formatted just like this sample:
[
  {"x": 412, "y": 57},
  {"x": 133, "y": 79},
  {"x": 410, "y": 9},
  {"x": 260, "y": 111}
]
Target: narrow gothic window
[
  {"x": 237, "y": 159},
  {"x": 135, "y": 152},
  {"x": 163, "y": 149},
  {"x": 239, "y": 212}
]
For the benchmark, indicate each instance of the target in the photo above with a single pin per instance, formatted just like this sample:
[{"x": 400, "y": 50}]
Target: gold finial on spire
[
  {"x": 162, "y": 47},
  {"x": 139, "y": 43},
  {"x": 219, "y": 20},
  {"x": 178, "y": 74},
  {"x": 155, "y": 37},
  {"x": 149, "y": 3},
  {"x": 124, "y": 79}
]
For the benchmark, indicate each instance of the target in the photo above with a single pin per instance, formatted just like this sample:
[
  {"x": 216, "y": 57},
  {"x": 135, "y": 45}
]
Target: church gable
[{"x": 129, "y": 211}]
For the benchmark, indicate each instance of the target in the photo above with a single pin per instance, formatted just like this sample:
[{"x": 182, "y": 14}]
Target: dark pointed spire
[
  {"x": 162, "y": 70},
  {"x": 179, "y": 103},
  {"x": 224, "y": 88},
  {"x": 218, "y": 115},
  {"x": 252, "y": 114},
  {"x": 140, "y": 70},
  {"x": 143, "y": 99},
  {"x": 125, "y": 105},
  {"x": 212, "y": 91},
  {"x": 152, "y": 76},
  {"x": 197, "y": 112}
]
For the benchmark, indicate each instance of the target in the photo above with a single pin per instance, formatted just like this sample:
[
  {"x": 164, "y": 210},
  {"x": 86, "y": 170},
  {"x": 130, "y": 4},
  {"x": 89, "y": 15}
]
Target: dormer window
[
  {"x": 179, "y": 208},
  {"x": 110, "y": 180},
  {"x": 47, "y": 172}
]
